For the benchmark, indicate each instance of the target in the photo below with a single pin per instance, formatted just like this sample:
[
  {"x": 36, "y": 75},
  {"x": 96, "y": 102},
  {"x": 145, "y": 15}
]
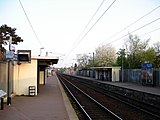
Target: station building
[
  {"x": 17, "y": 77},
  {"x": 31, "y": 74}
]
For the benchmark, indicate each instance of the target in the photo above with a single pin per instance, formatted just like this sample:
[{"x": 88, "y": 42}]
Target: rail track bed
[{"x": 105, "y": 106}]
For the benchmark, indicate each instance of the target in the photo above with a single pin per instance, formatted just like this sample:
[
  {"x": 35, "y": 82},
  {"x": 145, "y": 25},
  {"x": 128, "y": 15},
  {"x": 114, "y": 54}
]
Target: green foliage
[
  {"x": 121, "y": 58},
  {"x": 6, "y": 32},
  {"x": 137, "y": 52}
]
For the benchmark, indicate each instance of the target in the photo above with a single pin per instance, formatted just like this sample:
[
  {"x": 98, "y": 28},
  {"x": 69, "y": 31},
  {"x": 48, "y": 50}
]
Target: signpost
[{"x": 9, "y": 56}]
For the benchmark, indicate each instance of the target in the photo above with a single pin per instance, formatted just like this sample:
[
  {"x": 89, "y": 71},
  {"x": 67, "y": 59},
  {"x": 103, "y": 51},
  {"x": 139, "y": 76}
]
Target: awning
[{"x": 46, "y": 60}]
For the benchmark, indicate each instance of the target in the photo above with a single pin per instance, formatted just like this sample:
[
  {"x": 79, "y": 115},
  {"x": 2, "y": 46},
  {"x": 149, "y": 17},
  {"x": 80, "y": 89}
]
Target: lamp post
[
  {"x": 41, "y": 51},
  {"x": 122, "y": 67},
  {"x": 157, "y": 56},
  {"x": 122, "y": 53},
  {"x": 92, "y": 65},
  {"x": 93, "y": 59}
]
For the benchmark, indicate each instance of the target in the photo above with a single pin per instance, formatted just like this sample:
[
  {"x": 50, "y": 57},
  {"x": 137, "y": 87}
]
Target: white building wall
[
  {"x": 96, "y": 74},
  {"x": 25, "y": 75}
]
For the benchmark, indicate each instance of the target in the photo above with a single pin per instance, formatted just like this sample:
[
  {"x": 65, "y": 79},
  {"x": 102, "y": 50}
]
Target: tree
[
  {"x": 105, "y": 55},
  {"x": 147, "y": 55},
  {"x": 135, "y": 49},
  {"x": 5, "y": 33},
  {"x": 122, "y": 58},
  {"x": 157, "y": 54},
  {"x": 157, "y": 47},
  {"x": 83, "y": 60}
]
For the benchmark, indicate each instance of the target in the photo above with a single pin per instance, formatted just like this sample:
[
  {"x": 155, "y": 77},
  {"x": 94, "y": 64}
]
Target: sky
[{"x": 58, "y": 25}]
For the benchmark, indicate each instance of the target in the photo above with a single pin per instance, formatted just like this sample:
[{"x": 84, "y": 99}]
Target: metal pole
[
  {"x": 41, "y": 51},
  {"x": 8, "y": 82},
  {"x": 93, "y": 66},
  {"x": 93, "y": 59},
  {"x": 122, "y": 64}
]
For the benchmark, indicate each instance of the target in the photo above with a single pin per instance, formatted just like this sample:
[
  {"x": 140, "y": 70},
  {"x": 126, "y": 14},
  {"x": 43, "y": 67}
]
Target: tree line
[{"x": 135, "y": 52}]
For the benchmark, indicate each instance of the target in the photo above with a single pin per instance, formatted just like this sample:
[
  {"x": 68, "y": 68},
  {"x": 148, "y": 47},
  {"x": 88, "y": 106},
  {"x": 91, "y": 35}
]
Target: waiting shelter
[
  {"x": 32, "y": 73},
  {"x": 107, "y": 73}
]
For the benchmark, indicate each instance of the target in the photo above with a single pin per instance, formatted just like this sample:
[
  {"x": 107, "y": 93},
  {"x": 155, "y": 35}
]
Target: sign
[
  {"x": 13, "y": 48},
  {"x": 24, "y": 56},
  {"x": 147, "y": 73},
  {"x": 15, "y": 57},
  {"x": 9, "y": 55},
  {"x": 146, "y": 65}
]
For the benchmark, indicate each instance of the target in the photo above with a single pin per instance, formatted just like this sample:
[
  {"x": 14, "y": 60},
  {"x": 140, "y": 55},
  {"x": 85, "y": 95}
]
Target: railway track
[
  {"x": 123, "y": 109},
  {"x": 92, "y": 109}
]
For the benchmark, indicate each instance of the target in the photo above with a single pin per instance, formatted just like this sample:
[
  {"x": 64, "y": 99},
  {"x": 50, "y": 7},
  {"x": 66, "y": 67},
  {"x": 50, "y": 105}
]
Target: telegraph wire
[
  {"x": 136, "y": 30},
  {"x": 92, "y": 26},
  {"x": 132, "y": 23},
  {"x": 150, "y": 32},
  {"x": 89, "y": 21},
  {"x": 30, "y": 23}
]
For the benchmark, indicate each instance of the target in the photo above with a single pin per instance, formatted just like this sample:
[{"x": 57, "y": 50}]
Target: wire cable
[
  {"x": 135, "y": 30},
  {"x": 132, "y": 23},
  {"x": 150, "y": 32},
  {"x": 30, "y": 23},
  {"x": 92, "y": 26},
  {"x": 89, "y": 22}
]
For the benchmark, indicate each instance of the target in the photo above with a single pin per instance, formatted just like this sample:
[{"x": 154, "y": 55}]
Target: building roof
[
  {"x": 46, "y": 60},
  {"x": 44, "y": 57},
  {"x": 113, "y": 67}
]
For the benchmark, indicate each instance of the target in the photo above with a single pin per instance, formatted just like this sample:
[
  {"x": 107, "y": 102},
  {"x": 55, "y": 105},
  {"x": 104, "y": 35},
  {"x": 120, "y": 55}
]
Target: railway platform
[
  {"x": 145, "y": 89},
  {"x": 51, "y": 103}
]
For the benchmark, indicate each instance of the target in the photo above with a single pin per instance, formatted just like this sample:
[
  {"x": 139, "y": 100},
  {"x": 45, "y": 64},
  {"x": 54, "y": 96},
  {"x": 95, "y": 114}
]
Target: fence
[
  {"x": 134, "y": 76},
  {"x": 129, "y": 75}
]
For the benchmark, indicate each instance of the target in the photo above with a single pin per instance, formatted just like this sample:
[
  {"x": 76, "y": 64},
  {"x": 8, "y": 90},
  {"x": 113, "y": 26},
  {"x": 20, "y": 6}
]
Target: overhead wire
[
  {"x": 92, "y": 26},
  {"x": 135, "y": 30},
  {"x": 89, "y": 21},
  {"x": 30, "y": 23},
  {"x": 127, "y": 27},
  {"x": 132, "y": 23},
  {"x": 150, "y": 32}
]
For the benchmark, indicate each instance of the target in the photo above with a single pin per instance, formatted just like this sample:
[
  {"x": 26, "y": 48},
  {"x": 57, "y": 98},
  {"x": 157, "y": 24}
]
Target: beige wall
[
  {"x": 41, "y": 78},
  {"x": 115, "y": 74},
  {"x": 25, "y": 75}
]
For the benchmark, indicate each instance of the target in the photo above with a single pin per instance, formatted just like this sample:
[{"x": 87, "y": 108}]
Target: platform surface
[
  {"x": 147, "y": 89},
  {"x": 50, "y": 104}
]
